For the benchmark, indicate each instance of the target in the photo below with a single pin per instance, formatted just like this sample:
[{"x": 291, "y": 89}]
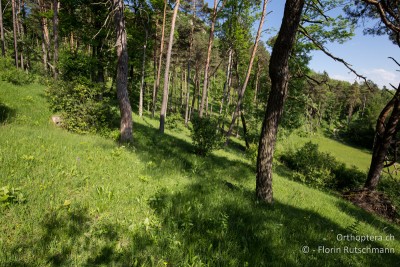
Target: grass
[
  {"x": 351, "y": 156},
  {"x": 91, "y": 202}
]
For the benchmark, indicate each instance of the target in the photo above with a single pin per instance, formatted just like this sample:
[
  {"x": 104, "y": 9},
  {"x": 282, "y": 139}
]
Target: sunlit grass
[{"x": 91, "y": 202}]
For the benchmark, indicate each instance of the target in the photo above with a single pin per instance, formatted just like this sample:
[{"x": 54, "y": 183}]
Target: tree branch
[{"x": 323, "y": 49}]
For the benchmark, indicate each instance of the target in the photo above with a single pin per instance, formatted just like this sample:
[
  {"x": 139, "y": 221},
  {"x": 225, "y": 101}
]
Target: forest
[{"x": 174, "y": 133}]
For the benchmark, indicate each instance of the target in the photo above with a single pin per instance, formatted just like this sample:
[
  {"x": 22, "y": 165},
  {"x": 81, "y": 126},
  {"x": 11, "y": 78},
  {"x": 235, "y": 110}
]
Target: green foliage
[
  {"x": 360, "y": 132},
  {"x": 174, "y": 122},
  {"x": 321, "y": 169},
  {"x": 85, "y": 106},
  {"x": 205, "y": 135},
  {"x": 75, "y": 65},
  {"x": 10, "y": 195},
  {"x": 391, "y": 186},
  {"x": 10, "y": 74},
  {"x": 252, "y": 153}
]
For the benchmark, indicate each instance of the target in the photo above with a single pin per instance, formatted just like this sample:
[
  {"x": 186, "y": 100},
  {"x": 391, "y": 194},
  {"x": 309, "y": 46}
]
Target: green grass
[
  {"x": 361, "y": 158},
  {"x": 91, "y": 202}
]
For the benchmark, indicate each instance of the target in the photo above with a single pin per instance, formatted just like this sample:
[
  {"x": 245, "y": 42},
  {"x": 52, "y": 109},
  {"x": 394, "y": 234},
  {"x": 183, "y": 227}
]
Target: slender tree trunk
[
  {"x": 143, "y": 74},
  {"x": 163, "y": 112},
  {"x": 207, "y": 67},
  {"x": 122, "y": 72},
  {"x": 155, "y": 92},
  {"x": 21, "y": 31},
  {"x": 385, "y": 133},
  {"x": 44, "y": 46},
  {"x": 182, "y": 85},
  {"x": 189, "y": 62},
  {"x": 195, "y": 91},
  {"x": 257, "y": 81},
  {"x": 154, "y": 67},
  {"x": 226, "y": 84},
  {"x": 246, "y": 139},
  {"x": 279, "y": 74},
  {"x": 187, "y": 98},
  {"x": 246, "y": 80},
  {"x": 56, "y": 8},
  {"x": 45, "y": 36},
  {"x": 14, "y": 15},
  {"x": 3, "y": 45}
]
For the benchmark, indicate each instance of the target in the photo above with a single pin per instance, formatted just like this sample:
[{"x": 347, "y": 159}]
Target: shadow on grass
[
  {"x": 70, "y": 237},
  {"x": 6, "y": 113},
  {"x": 170, "y": 153},
  {"x": 336, "y": 137},
  {"x": 363, "y": 216},
  {"x": 213, "y": 224}
]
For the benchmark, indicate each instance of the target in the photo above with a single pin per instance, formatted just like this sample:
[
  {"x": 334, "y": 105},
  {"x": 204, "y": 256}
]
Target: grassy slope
[{"x": 91, "y": 202}]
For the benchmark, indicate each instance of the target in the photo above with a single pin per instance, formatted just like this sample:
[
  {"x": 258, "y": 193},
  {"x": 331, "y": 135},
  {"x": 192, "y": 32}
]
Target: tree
[
  {"x": 44, "y": 33},
  {"x": 279, "y": 74},
  {"x": 246, "y": 80},
  {"x": 207, "y": 66},
  {"x": 163, "y": 112},
  {"x": 14, "y": 18},
  {"x": 143, "y": 76},
  {"x": 3, "y": 47},
  {"x": 122, "y": 72},
  {"x": 56, "y": 8},
  {"x": 388, "y": 13},
  {"x": 157, "y": 83}
]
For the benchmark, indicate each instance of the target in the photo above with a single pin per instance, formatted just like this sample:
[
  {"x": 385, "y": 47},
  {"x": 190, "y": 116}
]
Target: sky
[{"x": 367, "y": 54}]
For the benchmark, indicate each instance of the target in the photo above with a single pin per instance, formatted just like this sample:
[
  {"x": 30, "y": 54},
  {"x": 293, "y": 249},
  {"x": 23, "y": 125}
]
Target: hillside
[{"x": 86, "y": 201}]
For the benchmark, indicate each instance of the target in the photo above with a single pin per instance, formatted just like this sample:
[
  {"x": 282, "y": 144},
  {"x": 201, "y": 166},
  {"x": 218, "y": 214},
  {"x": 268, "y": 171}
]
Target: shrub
[
  {"x": 9, "y": 73},
  {"x": 74, "y": 65},
  {"x": 205, "y": 135},
  {"x": 391, "y": 186},
  {"x": 174, "y": 121},
  {"x": 252, "y": 153},
  {"x": 348, "y": 178},
  {"x": 321, "y": 169},
  {"x": 83, "y": 105}
]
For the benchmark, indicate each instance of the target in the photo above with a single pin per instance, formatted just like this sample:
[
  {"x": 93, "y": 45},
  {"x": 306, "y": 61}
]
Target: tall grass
[{"x": 91, "y": 202}]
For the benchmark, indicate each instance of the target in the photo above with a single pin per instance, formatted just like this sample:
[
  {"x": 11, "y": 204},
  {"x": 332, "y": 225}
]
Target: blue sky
[{"x": 367, "y": 54}]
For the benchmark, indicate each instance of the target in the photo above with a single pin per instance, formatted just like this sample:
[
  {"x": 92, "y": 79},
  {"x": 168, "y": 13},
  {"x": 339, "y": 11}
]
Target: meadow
[{"x": 85, "y": 200}]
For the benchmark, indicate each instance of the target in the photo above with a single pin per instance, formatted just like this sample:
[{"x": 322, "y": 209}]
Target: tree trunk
[
  {"x": 163, "y": 112},
  {"x": 21, "y": 31},
  {"x": 143, "y": 74},
  {"x": 56, "y": 8},
  {"x": 279, "y": 74},
  {"x": 196, "y": 92},
  {"x": 14, "y": 15},
  {"x": 3, "y": 46},
  {"x": 207, "y": 67},
  {"x": 226, "y": 84},
  {"x": 187, "y": 98},
  {"x": 246, "y": 139},
  {"x": 155, "y": 92},
  {"x": 44, "y": 46},
  {"x": 45, "y": 36},
  {"x": 257, "y": 81},
  {"x": 187, "y": 109},
  {"x": 122, "y": 73},
  {"x": 384, "y": 135},
  {"x": 246, "y": 80}
]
